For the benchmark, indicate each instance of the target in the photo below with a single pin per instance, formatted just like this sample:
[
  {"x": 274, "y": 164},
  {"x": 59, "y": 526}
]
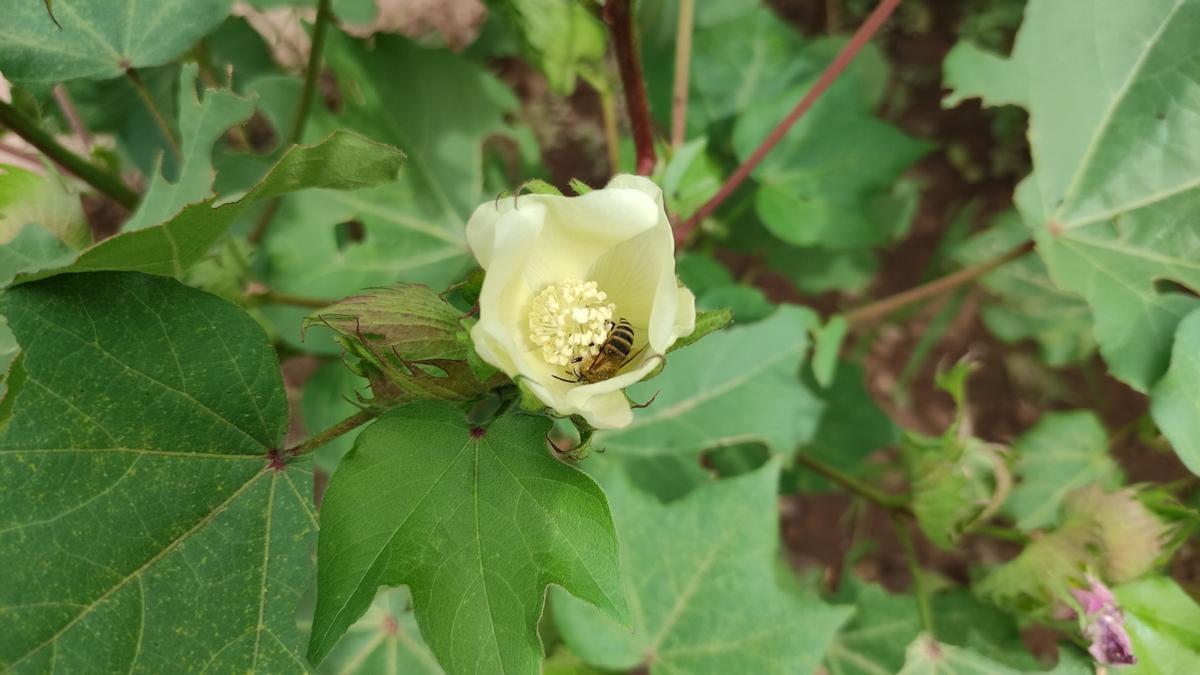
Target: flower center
[{"x": 569, "y": 320}]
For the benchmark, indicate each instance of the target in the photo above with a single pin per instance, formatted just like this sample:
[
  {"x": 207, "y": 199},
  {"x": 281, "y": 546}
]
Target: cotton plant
[{"x": 287, "y": 386}]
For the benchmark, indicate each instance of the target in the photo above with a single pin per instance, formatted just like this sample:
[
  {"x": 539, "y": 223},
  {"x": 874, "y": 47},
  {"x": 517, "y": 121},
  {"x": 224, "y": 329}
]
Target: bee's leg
[
  {"x": 563, "y": 379},
  {"x": 635, "y": 406}
]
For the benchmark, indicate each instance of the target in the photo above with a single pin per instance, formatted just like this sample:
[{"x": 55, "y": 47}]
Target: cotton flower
[{"x": 561, "y": 272}]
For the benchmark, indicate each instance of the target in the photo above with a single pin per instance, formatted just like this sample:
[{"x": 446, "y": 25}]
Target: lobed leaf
[
  {"x": 146, "y": 520},
  {"x": 344, "y": 161},
  {"x": 477, "y": 522},
  {"x": 201, "y": 124},
  {"x": 1116, "y": 171},
  {"x": 702, "y": 586},
  {"x": 92, "y": 39}
]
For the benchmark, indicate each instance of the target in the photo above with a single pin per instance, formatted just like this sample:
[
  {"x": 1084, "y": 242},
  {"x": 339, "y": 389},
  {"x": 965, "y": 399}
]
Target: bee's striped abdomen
[{"x": 620, "y": 340}]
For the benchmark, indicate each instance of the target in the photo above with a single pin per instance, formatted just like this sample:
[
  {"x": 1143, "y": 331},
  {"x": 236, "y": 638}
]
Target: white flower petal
[
  {"x": 618, "y": 240},
  {"x": 608, "y": 411}
]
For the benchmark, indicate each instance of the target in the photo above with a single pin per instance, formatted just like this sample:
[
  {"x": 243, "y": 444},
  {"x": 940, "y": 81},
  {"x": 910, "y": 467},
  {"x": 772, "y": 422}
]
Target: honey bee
[{"x": 614, "y": 354}]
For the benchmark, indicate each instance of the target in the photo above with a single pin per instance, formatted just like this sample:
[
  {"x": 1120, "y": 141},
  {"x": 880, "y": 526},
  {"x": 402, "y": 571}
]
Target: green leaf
[
  {"x": 564, "y": 38},
  {"x": 414, "y": 230},
  {"x": 1116, "y": 172},
  {"x": 817, "y": 186},
  {"x": 1026, "y": 304},
  {"x": 690, "y": 178},
  {"x": 201, "y": 125},
  {"x": 850, "y": 428},
  {"x": 927, "y": 656},
  {"x": 48, "y": 200},
  {"x": 342, "y": 161},
  {"x": 740, "y": 384},
  {"x": 96, "y": 40},
  {"x": 385, "y": 640},
  {"x": 475, "y": 521},
  {"x": 703, "y": 586},
  {"x": 717, "y": 293},
  {"x": 1175, "y": 402},
  {"x": 971, "y": 72},
  {"x": 1163, "y": 623},
  {"x": 707, "y": 322},
  {"x": 1061, "y": 453},
  {"x": 827, "y": 343},
  {"x": 33, "y": 248},
  {"x": 742, "y": 54},
  {"x": 144, "y": 522},
  {"x": 874, "y": 640}
]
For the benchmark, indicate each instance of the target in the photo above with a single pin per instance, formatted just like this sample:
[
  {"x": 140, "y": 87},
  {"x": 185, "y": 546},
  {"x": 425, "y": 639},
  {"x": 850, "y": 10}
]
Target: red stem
[
  {"x": 831, "y": 73},
  {"x": 619, "y": 16}
]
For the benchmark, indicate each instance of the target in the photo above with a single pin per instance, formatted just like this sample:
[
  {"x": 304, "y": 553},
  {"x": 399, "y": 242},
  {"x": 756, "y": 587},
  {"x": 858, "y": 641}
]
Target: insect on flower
[{"x": 614, "y": 354}]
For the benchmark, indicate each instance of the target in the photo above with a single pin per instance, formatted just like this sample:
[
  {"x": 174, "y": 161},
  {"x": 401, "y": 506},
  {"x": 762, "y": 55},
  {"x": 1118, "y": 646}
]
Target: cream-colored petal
[
  {"x": 640, "y": 183},
  {"x": 481, "y": 229},
  {"x": 685, "y": 315},
  {"x": 493, "y": 349},
  {"x": 607, "y": 411},
  {"x": 629, "y": 273},
  {"x": 579, "y": 230},
  {"x": 504, "y": 298}
]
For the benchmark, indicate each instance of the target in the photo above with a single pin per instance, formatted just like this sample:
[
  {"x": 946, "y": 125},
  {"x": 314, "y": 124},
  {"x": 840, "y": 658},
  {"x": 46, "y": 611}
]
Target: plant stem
[
  {"x": 104, "y": 182},
  {"x": 273, "y": 297},
  {"x": 619, "y": 16},
  {"x": 827, "y": 77},
  {"x": 311, "y": 73},
  {"x": 160, "y": 120},
  {"x": 885, "y": 306},
  {"x": 345, "y": 426},
  {"x": 683, "y": 62},
  {"x": 324, "y": 9},
  {"x": 851, "y": 484},
  {"x": 914, "y": 568}
]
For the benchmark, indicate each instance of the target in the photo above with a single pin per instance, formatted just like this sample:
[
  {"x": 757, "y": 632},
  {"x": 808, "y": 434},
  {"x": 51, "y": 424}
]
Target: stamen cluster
[{"x": 569, "y": 320}]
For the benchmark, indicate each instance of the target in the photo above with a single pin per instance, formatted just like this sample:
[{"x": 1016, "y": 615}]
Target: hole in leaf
[{"x": 348, "y": 233}]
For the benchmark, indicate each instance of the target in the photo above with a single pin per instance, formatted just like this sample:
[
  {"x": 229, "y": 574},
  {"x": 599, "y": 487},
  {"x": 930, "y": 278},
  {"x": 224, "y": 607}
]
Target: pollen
[{"x": 569, "y": 320}]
